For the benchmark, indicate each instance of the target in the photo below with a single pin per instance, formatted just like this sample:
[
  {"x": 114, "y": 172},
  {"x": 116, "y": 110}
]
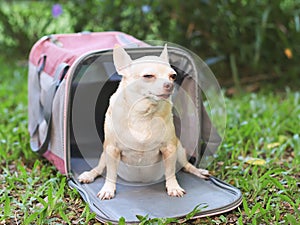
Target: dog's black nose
[{"x": 168, "y": 86}]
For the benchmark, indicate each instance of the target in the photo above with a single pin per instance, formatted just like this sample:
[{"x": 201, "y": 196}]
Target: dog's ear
[
  {"x": 121, "y": 59},
  {"x": 164, "y": 54}
]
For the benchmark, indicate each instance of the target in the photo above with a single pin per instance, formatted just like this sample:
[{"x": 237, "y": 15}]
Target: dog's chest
[
  {"x": 139, "y": 131},
  {"x": 144, "y": 134}
]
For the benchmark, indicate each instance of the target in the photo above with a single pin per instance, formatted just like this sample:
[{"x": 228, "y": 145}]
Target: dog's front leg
[
  {"x": 170, "y": 156},
  {"x": 112, "y": 156},
  {"x": 89, "y": 176}
]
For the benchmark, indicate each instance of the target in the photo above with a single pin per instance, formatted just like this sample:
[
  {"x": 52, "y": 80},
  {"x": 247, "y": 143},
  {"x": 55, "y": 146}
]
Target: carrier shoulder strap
[{"x": 58, "y": 77}]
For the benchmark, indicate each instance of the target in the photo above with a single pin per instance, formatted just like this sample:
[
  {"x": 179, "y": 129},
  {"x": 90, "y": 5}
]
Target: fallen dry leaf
[
  {"x": 255, "y": 161},
  {"x": 273, "y": 145}
]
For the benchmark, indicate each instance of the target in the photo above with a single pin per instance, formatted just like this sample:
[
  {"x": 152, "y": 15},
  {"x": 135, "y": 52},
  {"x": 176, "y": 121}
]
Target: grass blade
[
  {"x": 31, "y": 218},
  {"x": 122, "y": 221},
  {"x": 7, "y": 206},
  {"x": 291, "y": 219},
  {"x": 245, "y": 205}
]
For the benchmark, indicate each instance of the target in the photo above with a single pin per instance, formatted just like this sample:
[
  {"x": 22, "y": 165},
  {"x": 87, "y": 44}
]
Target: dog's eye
[
  {"x": 172, "y": 76},
  {"x": 148, "y": 76}
]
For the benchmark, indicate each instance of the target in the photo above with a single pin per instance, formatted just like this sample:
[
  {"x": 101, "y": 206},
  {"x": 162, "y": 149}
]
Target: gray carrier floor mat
[{"x": 152, "y": 200}]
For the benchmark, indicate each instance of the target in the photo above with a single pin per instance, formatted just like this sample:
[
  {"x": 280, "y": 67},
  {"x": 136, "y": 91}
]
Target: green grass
[{"x": 264, "y": 126}]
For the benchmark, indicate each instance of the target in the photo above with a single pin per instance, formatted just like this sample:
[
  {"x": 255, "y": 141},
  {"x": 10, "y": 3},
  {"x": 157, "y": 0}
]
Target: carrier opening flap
[{"x": 213, "y": 195}]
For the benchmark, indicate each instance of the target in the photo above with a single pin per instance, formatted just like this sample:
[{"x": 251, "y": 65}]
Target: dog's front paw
[
  {"x": 176, "y": 192},
  {"x": 86, "y": 177},
  {"x": 107, "y": 191},
  {"x": 174, "y": 189}
]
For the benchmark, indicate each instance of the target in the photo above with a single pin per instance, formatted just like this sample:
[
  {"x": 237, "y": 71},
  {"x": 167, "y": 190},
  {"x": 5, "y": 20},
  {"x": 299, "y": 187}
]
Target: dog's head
[{"x": 148, "y": 76}]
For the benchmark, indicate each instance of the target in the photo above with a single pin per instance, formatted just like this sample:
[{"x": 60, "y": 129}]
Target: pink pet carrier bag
[{"x": 71, "y": 78}]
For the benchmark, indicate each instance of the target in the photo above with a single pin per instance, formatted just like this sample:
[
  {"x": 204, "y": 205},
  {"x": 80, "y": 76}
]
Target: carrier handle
[
  {"x": 41, "y": 64},
  {"x": 40, "y": 67},
  {"x": 58, "y": 77}
]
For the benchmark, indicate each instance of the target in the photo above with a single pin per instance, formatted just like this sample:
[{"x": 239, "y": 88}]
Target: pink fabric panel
[
  {"x": 75, "y": 45},
  {"x": 56, "y": 161}
]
